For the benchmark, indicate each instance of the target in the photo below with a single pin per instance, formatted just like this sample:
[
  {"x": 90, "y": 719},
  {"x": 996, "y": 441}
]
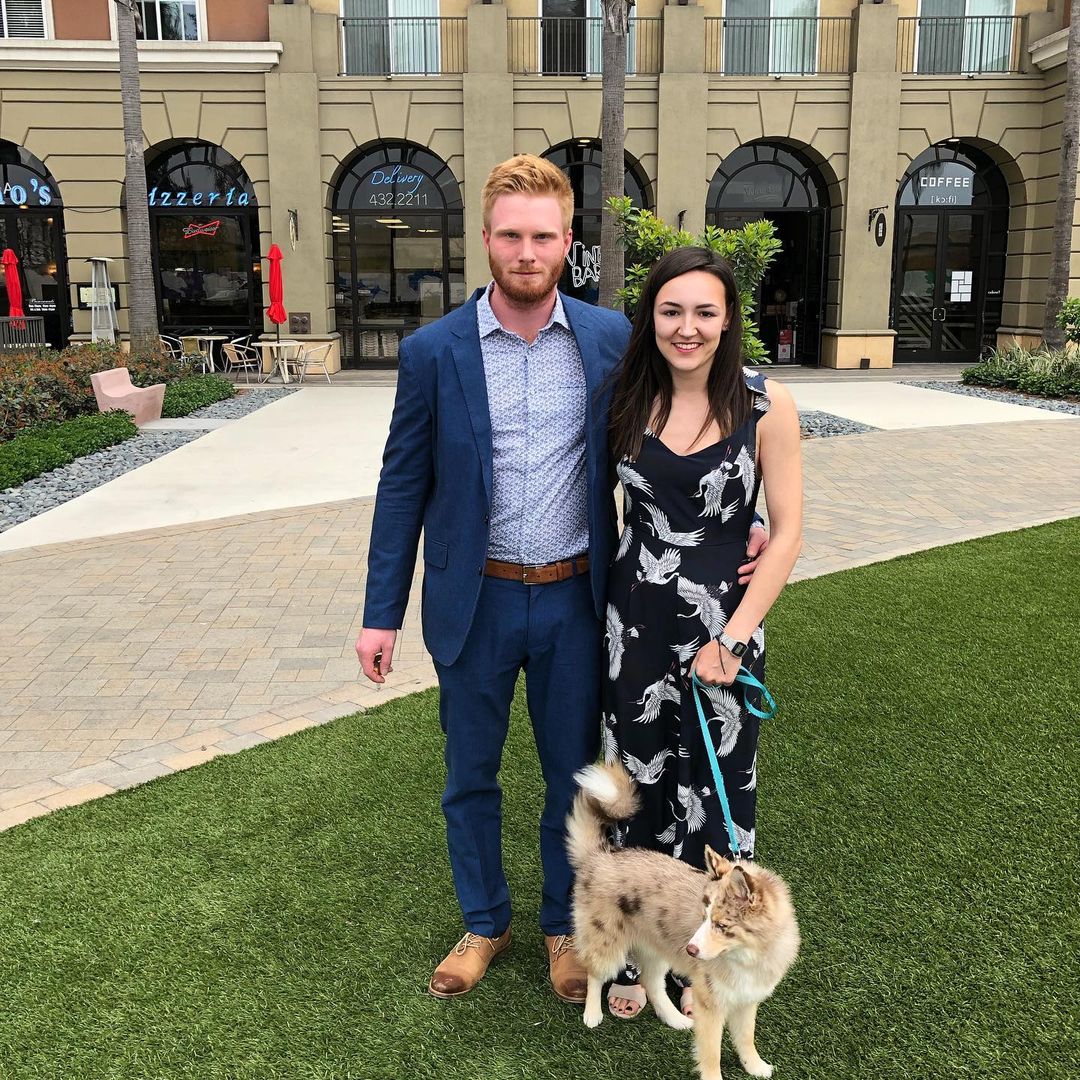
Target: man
[{"x": 498, "y": 450}]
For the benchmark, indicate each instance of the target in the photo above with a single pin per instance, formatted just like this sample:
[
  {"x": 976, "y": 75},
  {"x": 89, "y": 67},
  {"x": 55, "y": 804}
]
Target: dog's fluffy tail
[{"x": 606, "y": 795}]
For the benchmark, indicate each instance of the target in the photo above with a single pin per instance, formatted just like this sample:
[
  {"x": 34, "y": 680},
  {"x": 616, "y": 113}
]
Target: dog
[{"x": 730, "y": 929}]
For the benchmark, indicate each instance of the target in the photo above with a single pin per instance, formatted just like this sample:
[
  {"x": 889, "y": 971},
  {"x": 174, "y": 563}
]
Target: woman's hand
[{"x": 714, "y": 665}]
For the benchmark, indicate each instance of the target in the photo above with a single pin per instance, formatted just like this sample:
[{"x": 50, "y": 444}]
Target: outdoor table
[
  {"x": 280, "y": 350},
  {"x": 210, "y": 339}
]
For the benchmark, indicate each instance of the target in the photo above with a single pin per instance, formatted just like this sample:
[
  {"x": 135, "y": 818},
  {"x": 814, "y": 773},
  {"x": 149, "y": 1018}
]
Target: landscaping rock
[{"x": 1010, "y": 397}]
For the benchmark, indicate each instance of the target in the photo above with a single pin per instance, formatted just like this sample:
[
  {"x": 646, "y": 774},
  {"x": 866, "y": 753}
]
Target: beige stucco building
[{"x": 908, "y": 154}]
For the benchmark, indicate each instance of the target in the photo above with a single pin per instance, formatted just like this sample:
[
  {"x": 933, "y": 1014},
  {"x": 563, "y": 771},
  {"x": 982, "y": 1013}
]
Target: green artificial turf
[{"x": 277, "y": 913}]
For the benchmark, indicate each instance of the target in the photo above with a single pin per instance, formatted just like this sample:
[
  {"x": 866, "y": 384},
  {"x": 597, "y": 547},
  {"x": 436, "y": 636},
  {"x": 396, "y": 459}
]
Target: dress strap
[{"x": 755, "y": 383}]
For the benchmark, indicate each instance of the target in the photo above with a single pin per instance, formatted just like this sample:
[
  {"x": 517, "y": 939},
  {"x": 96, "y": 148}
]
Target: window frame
[
  {"x": 200, "y": 18},
  {"x": 47, "y": 20}
]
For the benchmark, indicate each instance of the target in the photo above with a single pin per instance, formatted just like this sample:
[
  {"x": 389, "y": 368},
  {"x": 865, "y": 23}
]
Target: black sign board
[{"x": 880, "y": 230}]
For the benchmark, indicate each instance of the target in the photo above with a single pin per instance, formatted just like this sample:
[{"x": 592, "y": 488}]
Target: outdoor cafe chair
[
  {"x": 237, "y": 360},
  {"x": 172, "y": 347},
  {"x": 317, "y": 358},
  {"x": 193, "y": 346}
]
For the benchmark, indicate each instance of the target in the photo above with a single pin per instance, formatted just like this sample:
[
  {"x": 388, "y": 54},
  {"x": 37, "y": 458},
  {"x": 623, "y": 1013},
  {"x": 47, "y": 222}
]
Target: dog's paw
[
  {"x": 593, "y": 1017},
  {"x": 677, "y": 1020},
  {"x": 758, "y": 1067}
]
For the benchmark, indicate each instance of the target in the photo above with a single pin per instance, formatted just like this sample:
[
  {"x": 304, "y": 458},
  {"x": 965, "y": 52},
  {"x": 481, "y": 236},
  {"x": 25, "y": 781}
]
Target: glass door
[
  {"x": 38, "y": 241},
  {"x": 938, "y": 284}
]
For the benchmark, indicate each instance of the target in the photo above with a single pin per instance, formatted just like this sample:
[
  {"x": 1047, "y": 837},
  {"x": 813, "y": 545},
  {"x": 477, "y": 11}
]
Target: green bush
[
  {"x": 1047, "y": 372},
  {"x": 41, "y": 449},
  {"x": 1069, "y": 319},
  {"x": 46, "y": 386},
  {"x": 749, "y": 250},
  {"x": 187, "y": 395}
]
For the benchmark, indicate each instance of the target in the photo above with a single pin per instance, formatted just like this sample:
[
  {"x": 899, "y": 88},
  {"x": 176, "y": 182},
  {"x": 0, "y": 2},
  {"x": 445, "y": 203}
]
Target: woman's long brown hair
[{"x": 643, "y": 378}]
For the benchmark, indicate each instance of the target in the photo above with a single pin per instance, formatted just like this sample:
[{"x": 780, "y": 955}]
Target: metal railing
[
  {"x": 23, "y": 332},
  {"x": 404, "y": 45},
  {"x": 572, "y": 46},
  {"x": 778, "y": 46},
  {"x": 959, "y": 45}
]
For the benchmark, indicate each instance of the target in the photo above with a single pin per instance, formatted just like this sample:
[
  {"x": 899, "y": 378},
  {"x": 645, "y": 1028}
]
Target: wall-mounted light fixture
[{"x": 294, "y": 228}]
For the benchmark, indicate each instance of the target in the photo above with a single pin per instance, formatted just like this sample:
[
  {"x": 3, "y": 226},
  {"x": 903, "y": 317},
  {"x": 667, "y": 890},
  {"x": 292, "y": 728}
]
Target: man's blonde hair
[{"x": 527, "y": 174}]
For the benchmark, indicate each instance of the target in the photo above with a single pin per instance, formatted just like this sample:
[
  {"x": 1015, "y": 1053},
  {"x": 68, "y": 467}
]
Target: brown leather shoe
[
  {"x": 568, "y": 977},
  {"x": 466, "y": 964}
]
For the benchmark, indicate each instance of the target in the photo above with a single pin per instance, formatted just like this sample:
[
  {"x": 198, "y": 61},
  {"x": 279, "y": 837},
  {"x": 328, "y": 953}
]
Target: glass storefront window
[{"x": 398, "y": 250}]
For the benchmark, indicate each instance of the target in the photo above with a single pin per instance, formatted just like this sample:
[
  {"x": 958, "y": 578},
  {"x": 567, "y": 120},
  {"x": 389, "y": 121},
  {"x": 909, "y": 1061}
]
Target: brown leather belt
[{"x": 537, "y": 575}]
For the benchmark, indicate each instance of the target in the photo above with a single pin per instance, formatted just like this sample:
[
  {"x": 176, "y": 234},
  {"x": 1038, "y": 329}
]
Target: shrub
[
  {"x": 749, "y": 250},
  {"x": 1069, "y": 319},
  {"x": 43, "y": 448},
  {"x": 1047, "y": 372},
  {"x": 187, "y": 395}
]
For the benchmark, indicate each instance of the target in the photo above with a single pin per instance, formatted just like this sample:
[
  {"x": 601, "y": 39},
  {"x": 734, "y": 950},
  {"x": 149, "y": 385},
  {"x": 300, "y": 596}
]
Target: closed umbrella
[
  {"x": 276, "y": 311},
  {"x": 10, "y": 263}
]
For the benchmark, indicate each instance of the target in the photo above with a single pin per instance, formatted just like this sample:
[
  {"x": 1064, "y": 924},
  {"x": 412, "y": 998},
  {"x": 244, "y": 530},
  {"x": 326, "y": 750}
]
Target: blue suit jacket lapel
[
  {"x": 469, "y": 361},
  {"x": 584, "y": 332}
]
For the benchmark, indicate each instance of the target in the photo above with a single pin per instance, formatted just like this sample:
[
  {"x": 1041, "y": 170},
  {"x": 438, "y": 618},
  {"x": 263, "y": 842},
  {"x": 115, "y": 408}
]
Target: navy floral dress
[{"x": 672, "y": 587}]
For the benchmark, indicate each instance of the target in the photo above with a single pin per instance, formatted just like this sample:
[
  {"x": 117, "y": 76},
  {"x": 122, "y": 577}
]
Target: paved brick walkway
[{"x": 129, "y": 657}]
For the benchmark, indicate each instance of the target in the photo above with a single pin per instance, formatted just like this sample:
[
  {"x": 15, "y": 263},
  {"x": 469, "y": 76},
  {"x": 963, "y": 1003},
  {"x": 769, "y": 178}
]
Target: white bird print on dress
[
  {"x": 646, "y": 773},
  {"x": 711, "y": 489},
  {"x": 751, "y": 784},
  {"x": 663, "y": 530},
  {"x": 615, "y": 639},
  {"x": 665, "y": 689},
  {"x": 658, "y": 571},
  {"x": 686, "y": 652},
  {"x": 745, "y": 464},
  {"x": 705, "y": 600},
  {"x": 632, "y": 478},
  {"x": 758, "y": 638},
  {"x": 625, "y": 541},
  {"x": 725, "y": 706},
  {"x": 745, "y": 840},
  {"x": 608, "y": 746}
]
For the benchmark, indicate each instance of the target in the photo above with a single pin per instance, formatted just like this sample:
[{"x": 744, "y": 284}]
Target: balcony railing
[
  {"x": 959, "y": 45},
  {"x": 572, "y": 46},
  {"x": 403, "y": 46},
  {"x": 22, "y": 332},
  {"x": 778, "y": 46}
]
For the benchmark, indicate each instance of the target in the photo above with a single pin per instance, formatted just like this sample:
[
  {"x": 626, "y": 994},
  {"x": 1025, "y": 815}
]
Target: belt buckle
[{"x": 525, "y": 575}]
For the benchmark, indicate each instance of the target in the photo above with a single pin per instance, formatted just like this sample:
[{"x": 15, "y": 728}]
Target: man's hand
[
  {"x": 375, "y": 648},
  {"x": 755, "y": 548}
]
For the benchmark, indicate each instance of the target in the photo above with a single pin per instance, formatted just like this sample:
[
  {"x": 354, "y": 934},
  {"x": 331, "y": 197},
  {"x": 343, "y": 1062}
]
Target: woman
[{"x": 693, "y": 434}]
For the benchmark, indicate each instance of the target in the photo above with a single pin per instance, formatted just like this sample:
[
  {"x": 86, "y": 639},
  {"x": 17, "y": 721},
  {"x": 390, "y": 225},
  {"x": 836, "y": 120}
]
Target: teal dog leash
[{"x": 750, "y": 681}]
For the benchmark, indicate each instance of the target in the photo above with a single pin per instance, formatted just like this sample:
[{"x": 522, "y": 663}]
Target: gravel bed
[
  {"x": 21, "y": 503},
  {"x": 243, "y": 403},
  {"x": 1010, "y": 397},
  {"x": 822, "y": 425}
]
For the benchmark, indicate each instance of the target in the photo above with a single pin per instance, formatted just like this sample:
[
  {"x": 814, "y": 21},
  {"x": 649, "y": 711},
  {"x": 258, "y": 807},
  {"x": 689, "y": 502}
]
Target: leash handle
[{"x": 747, "y": 678}]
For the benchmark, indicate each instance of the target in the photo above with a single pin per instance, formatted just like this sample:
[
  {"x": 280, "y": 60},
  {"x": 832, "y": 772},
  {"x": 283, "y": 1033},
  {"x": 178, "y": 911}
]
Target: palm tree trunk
[
  {"x": 1057, "y": 285},
  {"x": 143, "y": 309},
  {"x": 613, "y": 136}
]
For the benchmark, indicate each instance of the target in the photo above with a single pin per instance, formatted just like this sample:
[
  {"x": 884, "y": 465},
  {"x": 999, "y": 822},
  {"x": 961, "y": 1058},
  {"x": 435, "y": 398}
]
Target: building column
[
  {"x": 682, "y": 119},
  {"x": 488, "y": 122},
  {"x": 863, "y": 337},
  {"x": 298, "y": 215}
]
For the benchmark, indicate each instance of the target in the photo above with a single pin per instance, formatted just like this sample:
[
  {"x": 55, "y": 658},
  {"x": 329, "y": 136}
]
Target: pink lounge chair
[{"x": 113, "y": 390}]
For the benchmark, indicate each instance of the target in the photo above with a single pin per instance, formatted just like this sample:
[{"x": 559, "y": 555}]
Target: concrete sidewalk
[
  {"x": 129, "y": 657},
  {"x": 324, "y": 443}
]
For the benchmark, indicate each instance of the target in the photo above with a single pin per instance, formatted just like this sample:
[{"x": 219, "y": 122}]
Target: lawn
[{"x": 276, "y": 914}]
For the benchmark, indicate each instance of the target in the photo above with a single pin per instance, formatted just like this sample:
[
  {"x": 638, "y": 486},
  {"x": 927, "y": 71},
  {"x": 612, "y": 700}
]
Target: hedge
[
  {"x": 187, "y": 395},
  {"x": 1048, "y": 373},
  {"x": 46, "y": 447}
]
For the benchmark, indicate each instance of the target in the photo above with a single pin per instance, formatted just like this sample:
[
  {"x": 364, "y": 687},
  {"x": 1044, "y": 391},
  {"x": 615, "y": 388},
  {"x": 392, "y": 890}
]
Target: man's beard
[{"x": 525, "y": 290}]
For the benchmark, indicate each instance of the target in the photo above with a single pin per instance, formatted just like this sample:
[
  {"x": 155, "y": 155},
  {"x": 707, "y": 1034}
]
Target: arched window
[
  {"x": 204, "y": 228},
  {"x": 32, "y": 225},
  {"x": 399, "y": 249},
  {"x": 581, "y": 161}
]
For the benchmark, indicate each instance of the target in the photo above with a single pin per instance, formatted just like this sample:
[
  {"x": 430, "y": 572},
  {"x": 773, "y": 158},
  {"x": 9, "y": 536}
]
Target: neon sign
[
  {"x": 157, "y": 197},
  {"x": 210, "y": 228}
]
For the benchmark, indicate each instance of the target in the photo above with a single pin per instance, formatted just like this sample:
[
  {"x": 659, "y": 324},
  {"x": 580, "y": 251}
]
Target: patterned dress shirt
[{"x": 538, "y": 400}]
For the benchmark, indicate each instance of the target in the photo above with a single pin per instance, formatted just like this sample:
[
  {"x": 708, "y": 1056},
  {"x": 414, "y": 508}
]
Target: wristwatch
[{"x": 736, "y": 648}]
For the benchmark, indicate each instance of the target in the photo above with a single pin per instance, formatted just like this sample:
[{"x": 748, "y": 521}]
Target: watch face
[{"x": 738, "y": 648}]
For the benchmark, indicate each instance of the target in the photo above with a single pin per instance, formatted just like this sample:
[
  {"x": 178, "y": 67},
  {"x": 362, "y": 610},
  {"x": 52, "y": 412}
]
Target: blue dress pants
[{"x": 552, "y": 633}]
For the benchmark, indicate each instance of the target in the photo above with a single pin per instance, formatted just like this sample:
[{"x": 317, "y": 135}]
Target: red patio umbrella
[
  {"x": 10, "y": 263},
  {"x": 276, "y": 311}
]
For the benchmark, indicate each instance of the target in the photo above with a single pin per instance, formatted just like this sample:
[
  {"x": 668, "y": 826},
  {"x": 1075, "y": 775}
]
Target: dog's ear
[
  {"x": 741, "y": 886},
  {"x": 716, "y": 866}
]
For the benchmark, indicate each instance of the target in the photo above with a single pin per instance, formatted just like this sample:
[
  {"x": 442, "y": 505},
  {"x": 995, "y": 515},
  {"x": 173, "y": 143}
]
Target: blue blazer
[{"x": 436, "y": 473}]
